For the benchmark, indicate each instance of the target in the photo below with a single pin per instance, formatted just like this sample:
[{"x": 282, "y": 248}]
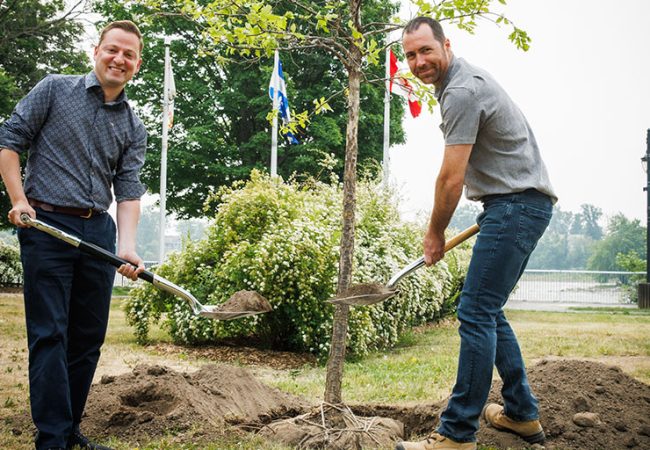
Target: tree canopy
[
  {"x": 221, "y": 128},
  {"x": 623, "y": 237},
  {"x": 37, "y": 37}
]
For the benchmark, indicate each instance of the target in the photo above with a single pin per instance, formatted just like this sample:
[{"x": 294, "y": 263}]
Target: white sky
[{"x": 585, "y": 88}]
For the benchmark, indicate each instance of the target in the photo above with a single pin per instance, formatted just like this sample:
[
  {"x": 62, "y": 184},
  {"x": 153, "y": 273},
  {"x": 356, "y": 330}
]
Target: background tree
[
  {"x": 221, "y": 128},
  {"x": 37, "y": 37},
  {"x": 623, "y": 236},
  {"x": 586, "y": 222}
]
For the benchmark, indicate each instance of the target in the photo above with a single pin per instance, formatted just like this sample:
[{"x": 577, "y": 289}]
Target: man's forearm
[
  {"x": 449, "y": 187},
  {"x": 447, "y": 196},
  {"x": 128, "y": 216},
  {"x": 10, "y": 170}
]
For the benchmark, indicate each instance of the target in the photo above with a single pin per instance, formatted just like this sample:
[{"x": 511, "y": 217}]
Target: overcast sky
[{"x": 585, "y": 88}]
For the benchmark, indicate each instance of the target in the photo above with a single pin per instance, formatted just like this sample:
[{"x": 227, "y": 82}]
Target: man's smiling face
[
  {"x": 427, "y": 57},
  {"x": 117, "y": 58}
]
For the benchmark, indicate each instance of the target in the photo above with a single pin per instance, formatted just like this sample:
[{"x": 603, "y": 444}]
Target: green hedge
[
  {"x": 282, "y": 239},
  {"x": 11, "y": 270}
]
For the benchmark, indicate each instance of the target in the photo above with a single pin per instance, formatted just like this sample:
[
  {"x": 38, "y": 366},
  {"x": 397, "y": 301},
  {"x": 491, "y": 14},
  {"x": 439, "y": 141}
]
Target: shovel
[
  {"x": 371, "y": 293},
  {"x": 240, "y": 304}
]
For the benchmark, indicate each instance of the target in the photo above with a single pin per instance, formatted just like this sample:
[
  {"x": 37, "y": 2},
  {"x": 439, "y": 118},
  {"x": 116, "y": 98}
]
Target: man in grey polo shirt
[
  {"x": 82, "y": 139},
  {"x": 491, "y": 150}
]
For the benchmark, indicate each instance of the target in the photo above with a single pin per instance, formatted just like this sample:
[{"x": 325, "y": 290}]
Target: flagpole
[
  {"x": 276, "y": 110},
  {"x": 386, "y": 160},
  {"x": 163, "y": 154}
]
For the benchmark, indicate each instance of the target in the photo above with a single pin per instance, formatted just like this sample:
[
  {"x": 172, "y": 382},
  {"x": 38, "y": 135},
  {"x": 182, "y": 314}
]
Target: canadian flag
[{"x": 400, "y": 86}]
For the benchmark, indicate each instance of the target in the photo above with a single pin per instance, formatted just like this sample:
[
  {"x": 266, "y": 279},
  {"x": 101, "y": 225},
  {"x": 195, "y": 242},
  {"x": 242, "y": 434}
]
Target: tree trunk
[{"x": 340, "y": 326}]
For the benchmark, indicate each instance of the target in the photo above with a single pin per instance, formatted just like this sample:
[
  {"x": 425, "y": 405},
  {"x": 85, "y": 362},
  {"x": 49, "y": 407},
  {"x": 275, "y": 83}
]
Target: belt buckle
[{"x": 87, "y": 216}]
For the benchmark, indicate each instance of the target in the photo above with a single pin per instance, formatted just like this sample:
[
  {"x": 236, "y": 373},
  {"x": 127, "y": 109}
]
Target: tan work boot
[
  {"x": 436, "y": 442},
  {"x": 530, "y": 431}
]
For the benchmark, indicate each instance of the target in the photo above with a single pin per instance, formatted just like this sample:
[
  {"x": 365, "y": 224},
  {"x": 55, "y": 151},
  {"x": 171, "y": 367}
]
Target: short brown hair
[
  {"x": 125, "y": 25},
  {"x": 436, "y": 28}
]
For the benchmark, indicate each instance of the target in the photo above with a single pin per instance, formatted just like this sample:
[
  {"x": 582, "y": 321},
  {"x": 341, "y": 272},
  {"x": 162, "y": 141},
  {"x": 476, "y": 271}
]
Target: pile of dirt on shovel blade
[
  {"x": 582, "y": 405},
  {"x": 155, "y": 401},
  {"x": 249, "y": 301}
]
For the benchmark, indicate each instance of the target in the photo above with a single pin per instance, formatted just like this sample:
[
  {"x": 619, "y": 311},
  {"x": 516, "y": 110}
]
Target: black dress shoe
[{"x": 81, "y": 442}]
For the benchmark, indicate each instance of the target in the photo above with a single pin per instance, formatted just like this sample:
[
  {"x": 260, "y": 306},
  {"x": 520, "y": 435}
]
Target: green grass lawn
[
  {"x": 423, "y": 368},
  {"x": 420, "y": 369}
]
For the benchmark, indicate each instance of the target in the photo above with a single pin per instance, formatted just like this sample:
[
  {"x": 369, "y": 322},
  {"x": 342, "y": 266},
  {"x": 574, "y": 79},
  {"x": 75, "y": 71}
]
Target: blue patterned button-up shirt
[{"x": 78, "y": 146}]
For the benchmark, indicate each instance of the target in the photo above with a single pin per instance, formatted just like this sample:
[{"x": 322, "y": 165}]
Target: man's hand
[
  {"x": 131, "y": 271},
  {"x": 434, "y": 247},
  {"x": 21, "y": 207}
]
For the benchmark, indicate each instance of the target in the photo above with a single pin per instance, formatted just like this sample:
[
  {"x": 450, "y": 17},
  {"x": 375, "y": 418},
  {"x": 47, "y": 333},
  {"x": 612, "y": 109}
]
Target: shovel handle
[
  {"x": 85, "y": 247},
  {"x": 111, "y": 258},
  {"x": 461, "y": 237},
  {"x": 450, "y": 244}
]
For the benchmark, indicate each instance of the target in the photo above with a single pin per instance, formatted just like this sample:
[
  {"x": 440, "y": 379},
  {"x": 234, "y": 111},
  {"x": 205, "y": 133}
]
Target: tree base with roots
[{"x": 335, "y": 427}]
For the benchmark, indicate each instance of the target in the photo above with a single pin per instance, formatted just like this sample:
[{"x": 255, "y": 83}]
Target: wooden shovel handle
[{"x": 461, "y": 237}]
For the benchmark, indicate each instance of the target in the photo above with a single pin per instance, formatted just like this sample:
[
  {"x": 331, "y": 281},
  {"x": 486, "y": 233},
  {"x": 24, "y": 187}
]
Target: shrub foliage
[
  {"x": 281, "y": 239},
  {"x": 11, "y": 270}
]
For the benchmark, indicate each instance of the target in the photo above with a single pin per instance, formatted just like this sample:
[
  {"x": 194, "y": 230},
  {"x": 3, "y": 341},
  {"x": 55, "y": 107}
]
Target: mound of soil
[
  {"x": 583, "y": 405},
  {"x": 156, "y": 401}
]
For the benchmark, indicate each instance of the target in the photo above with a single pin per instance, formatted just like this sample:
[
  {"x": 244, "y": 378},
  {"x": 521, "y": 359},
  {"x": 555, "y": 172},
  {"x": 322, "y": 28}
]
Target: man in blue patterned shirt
[{"x": 82, "y": 139}]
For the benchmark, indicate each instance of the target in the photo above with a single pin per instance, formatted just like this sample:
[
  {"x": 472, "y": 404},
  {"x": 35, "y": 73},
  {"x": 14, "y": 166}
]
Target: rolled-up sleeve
[
  {"x": 127, "y": 184},
  {"x": 18, "y": 132}
]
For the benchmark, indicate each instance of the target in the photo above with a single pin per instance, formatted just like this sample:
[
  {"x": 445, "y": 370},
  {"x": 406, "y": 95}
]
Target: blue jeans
[
  {"x": 67, "y": 300},
  {"x": 511, "y": 225}
]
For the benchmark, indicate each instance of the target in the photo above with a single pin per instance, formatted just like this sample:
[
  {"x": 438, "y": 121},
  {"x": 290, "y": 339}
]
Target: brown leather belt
[{"x": 85, "y": 213}]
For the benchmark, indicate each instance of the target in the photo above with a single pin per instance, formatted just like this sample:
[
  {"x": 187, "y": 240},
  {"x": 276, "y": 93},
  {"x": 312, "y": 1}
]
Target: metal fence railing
[{"x": 577, "y": 286}]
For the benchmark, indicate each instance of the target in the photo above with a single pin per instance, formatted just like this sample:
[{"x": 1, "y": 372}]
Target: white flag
[{"x": 171, "y": 92}]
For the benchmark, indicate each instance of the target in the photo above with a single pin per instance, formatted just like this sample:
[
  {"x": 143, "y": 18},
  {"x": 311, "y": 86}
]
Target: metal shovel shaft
[
  {"x": 114, "y": 260},
  {"x": 218, "y": 312},
  {"x": 450, "y": 244}
]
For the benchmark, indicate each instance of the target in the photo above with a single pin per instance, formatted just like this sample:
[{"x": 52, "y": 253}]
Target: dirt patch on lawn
[
  {"x": 154, "y": 401},
  {"x": 583, "y": 405},
  {"x": 237, "y": 353}
]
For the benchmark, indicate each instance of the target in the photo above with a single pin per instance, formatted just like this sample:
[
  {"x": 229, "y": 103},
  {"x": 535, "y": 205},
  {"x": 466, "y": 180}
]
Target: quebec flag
[{"x": 277, "y": 79}]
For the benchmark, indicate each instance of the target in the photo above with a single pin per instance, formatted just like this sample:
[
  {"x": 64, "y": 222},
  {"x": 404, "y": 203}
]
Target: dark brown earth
[
  {"x": 250, "y": 301},
  {"x": 156, "y": 401},
  {"x": 364, "y": 294},
  {"x": 365, "y": 289},
  {"x": 583, "y": 405}
]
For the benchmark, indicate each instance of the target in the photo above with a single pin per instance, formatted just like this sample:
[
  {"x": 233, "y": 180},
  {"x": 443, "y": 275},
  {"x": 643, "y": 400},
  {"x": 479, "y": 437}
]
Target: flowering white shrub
[
  {"x": 282, "y": 240},
  {"x": 11, "y": 270}
]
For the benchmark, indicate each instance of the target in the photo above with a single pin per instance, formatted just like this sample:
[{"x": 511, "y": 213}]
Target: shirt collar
[
  {"x": 451, "y": 71},
  {"x": 93, "y": 83}
]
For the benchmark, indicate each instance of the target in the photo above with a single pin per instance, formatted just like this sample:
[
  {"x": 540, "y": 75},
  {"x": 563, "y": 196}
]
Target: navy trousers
[{"x": 67, "y": 299}]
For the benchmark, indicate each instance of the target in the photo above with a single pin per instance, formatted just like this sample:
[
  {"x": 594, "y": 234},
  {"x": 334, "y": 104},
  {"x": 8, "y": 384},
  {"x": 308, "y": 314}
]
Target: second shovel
[{"x": 371, "y": 293}]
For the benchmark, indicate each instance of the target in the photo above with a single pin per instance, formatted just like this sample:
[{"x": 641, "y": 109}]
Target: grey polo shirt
[
  {"x": 78, "y": 146},
  {"x": 505, "y": 157}
]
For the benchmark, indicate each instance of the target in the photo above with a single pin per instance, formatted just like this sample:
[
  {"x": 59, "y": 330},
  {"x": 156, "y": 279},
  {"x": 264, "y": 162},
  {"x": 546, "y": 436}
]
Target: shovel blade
[
  {"x": 362, "y": 300},
  {"x": 240, "y": 304},
  {"x": 215, "y": 313}
]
